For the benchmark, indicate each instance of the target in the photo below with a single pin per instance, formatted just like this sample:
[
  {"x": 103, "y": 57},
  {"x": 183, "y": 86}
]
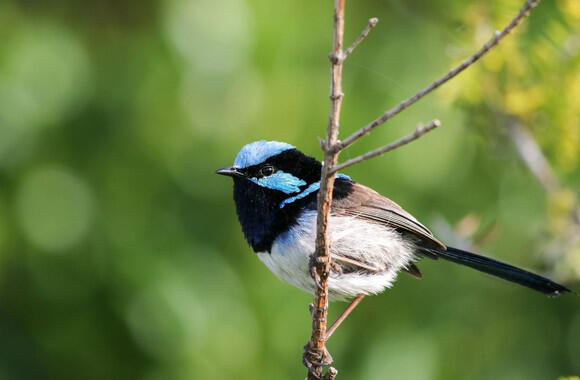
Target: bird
[{"x": 372, "y": 238}]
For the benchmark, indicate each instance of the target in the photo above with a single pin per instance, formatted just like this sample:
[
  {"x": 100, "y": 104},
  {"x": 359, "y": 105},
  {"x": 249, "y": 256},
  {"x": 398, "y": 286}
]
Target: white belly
[{"x": 355, "y": 238}]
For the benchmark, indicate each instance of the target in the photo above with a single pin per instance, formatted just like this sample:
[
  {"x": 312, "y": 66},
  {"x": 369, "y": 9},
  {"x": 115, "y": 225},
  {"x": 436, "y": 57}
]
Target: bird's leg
[
  {"x": 315, "y": 276},
  {"x": 335, "y": 267},
  {"x": 343, "y": 316},
  {"x": 354, "y": 262},
  {"x": 348, "y": 309}
]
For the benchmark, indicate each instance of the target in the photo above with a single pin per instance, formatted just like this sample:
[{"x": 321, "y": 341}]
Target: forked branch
[
  {"x": 498, "y": 36},
  {"x": 316, "y": 354},
  {"x": 419, "y": 131},
  {"x": 315, "y": 350}
]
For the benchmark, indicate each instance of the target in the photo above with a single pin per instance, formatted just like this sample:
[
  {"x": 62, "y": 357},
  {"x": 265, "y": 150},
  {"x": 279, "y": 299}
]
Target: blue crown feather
[{"x": 259, "y": 151}]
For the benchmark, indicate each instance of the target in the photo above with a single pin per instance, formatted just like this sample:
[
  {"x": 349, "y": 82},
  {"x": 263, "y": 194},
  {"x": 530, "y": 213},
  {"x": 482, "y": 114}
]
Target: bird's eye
[{"x": 267, "y": 170}]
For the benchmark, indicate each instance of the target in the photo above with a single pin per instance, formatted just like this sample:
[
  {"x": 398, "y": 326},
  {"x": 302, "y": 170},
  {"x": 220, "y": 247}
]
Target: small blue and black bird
[{"x": 373, "y": 238}]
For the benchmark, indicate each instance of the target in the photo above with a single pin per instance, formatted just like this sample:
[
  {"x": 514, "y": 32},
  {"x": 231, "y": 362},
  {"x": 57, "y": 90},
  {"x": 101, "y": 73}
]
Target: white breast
[{"x": 360, "y": 240}]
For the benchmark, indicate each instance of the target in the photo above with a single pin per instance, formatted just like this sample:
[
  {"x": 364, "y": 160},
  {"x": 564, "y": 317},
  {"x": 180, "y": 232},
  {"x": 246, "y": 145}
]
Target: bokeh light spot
[
  {"x": 54, "y": 209},
  {"x": 397, "y": 357},
  {"x": 44, "y": 76},
  {"x": 209, "y": 38},
  {"x": 186, "y": 317}
]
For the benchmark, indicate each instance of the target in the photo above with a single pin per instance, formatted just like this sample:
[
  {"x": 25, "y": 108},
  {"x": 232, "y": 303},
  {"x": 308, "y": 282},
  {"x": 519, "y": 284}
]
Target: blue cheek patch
[
  {"x": 281, "y": 181},
  {"x": 309, "y": 190}
]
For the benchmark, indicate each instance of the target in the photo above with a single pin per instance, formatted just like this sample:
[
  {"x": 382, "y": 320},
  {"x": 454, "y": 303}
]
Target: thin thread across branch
[
  {"x": 419, "y": 131},
  {"x": 498, "y": 36}
]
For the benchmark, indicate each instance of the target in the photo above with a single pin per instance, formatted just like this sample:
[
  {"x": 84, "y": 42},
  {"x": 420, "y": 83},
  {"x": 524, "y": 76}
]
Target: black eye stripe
[{"x": 290, "y": 161}]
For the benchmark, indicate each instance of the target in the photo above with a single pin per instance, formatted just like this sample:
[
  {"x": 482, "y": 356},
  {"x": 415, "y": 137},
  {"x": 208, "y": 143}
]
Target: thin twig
[
  {"x": 316, "y": 352},
  {"x": 317, "y": 348},
  {"x": 419, "y": 131},
  {"x": 524, "y": 11},
  {"x": 344, "y": 314},
  {"x": 372, "y": 23}
]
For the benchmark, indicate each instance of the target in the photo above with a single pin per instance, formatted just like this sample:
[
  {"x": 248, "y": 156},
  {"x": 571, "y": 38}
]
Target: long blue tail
[{"x": 499, "y": 269}]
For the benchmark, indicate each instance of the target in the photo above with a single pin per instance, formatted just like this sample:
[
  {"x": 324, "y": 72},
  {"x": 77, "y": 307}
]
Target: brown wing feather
[
  {"x": 366, "y": 203},
  {"x": 413, "y": 270}
]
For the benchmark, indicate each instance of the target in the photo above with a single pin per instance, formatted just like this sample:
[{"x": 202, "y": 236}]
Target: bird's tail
[{"x": 499, "y": 269}]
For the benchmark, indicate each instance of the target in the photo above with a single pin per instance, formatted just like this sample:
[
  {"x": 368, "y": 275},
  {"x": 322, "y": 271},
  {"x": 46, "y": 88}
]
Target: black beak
[{"x": 231, "y": 171}]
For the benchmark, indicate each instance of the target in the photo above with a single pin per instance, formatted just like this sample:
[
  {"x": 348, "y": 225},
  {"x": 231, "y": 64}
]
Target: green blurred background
[{"x": 120, "y": 252}]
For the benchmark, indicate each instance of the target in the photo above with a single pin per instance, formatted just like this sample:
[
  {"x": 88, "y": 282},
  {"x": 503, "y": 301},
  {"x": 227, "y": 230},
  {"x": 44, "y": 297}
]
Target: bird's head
[
  {"x": 276, "y": 169},
  {"x": 273, "y": 182}
]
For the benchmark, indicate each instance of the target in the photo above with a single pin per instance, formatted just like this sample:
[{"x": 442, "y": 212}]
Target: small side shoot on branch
[{"x": 316, "y": 356}]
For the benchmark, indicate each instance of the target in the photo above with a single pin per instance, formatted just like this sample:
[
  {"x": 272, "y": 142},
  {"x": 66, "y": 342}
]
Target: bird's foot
[
  {"x": 314, "y": 273},
  {"x": 315, "y": 277},
  {"x": 315, "y": 357}
]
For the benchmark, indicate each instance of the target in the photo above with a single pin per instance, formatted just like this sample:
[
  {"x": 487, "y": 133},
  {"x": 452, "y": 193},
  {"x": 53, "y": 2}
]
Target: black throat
[{"x": 258, "y": 208}]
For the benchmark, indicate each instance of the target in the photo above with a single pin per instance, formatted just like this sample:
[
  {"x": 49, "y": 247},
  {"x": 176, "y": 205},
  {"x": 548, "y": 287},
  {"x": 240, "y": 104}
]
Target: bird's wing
[{"x": 366, "y": 203}]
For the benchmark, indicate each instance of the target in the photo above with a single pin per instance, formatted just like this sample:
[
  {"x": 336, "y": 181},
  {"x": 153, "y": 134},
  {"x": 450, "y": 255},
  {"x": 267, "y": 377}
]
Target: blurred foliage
[
  {"x": 534, "y": 78},
  {"x": 120, "y": 253}
]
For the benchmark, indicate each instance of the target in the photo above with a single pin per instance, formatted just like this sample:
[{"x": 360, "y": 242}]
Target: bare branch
[
  {"x": 316, "y": 349},
  {"x": 524, "y": 11},
  {"x": 372, "y": 23},
  {"x": 419, "y": 131},
  {"x": 315, "y": 354}
]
